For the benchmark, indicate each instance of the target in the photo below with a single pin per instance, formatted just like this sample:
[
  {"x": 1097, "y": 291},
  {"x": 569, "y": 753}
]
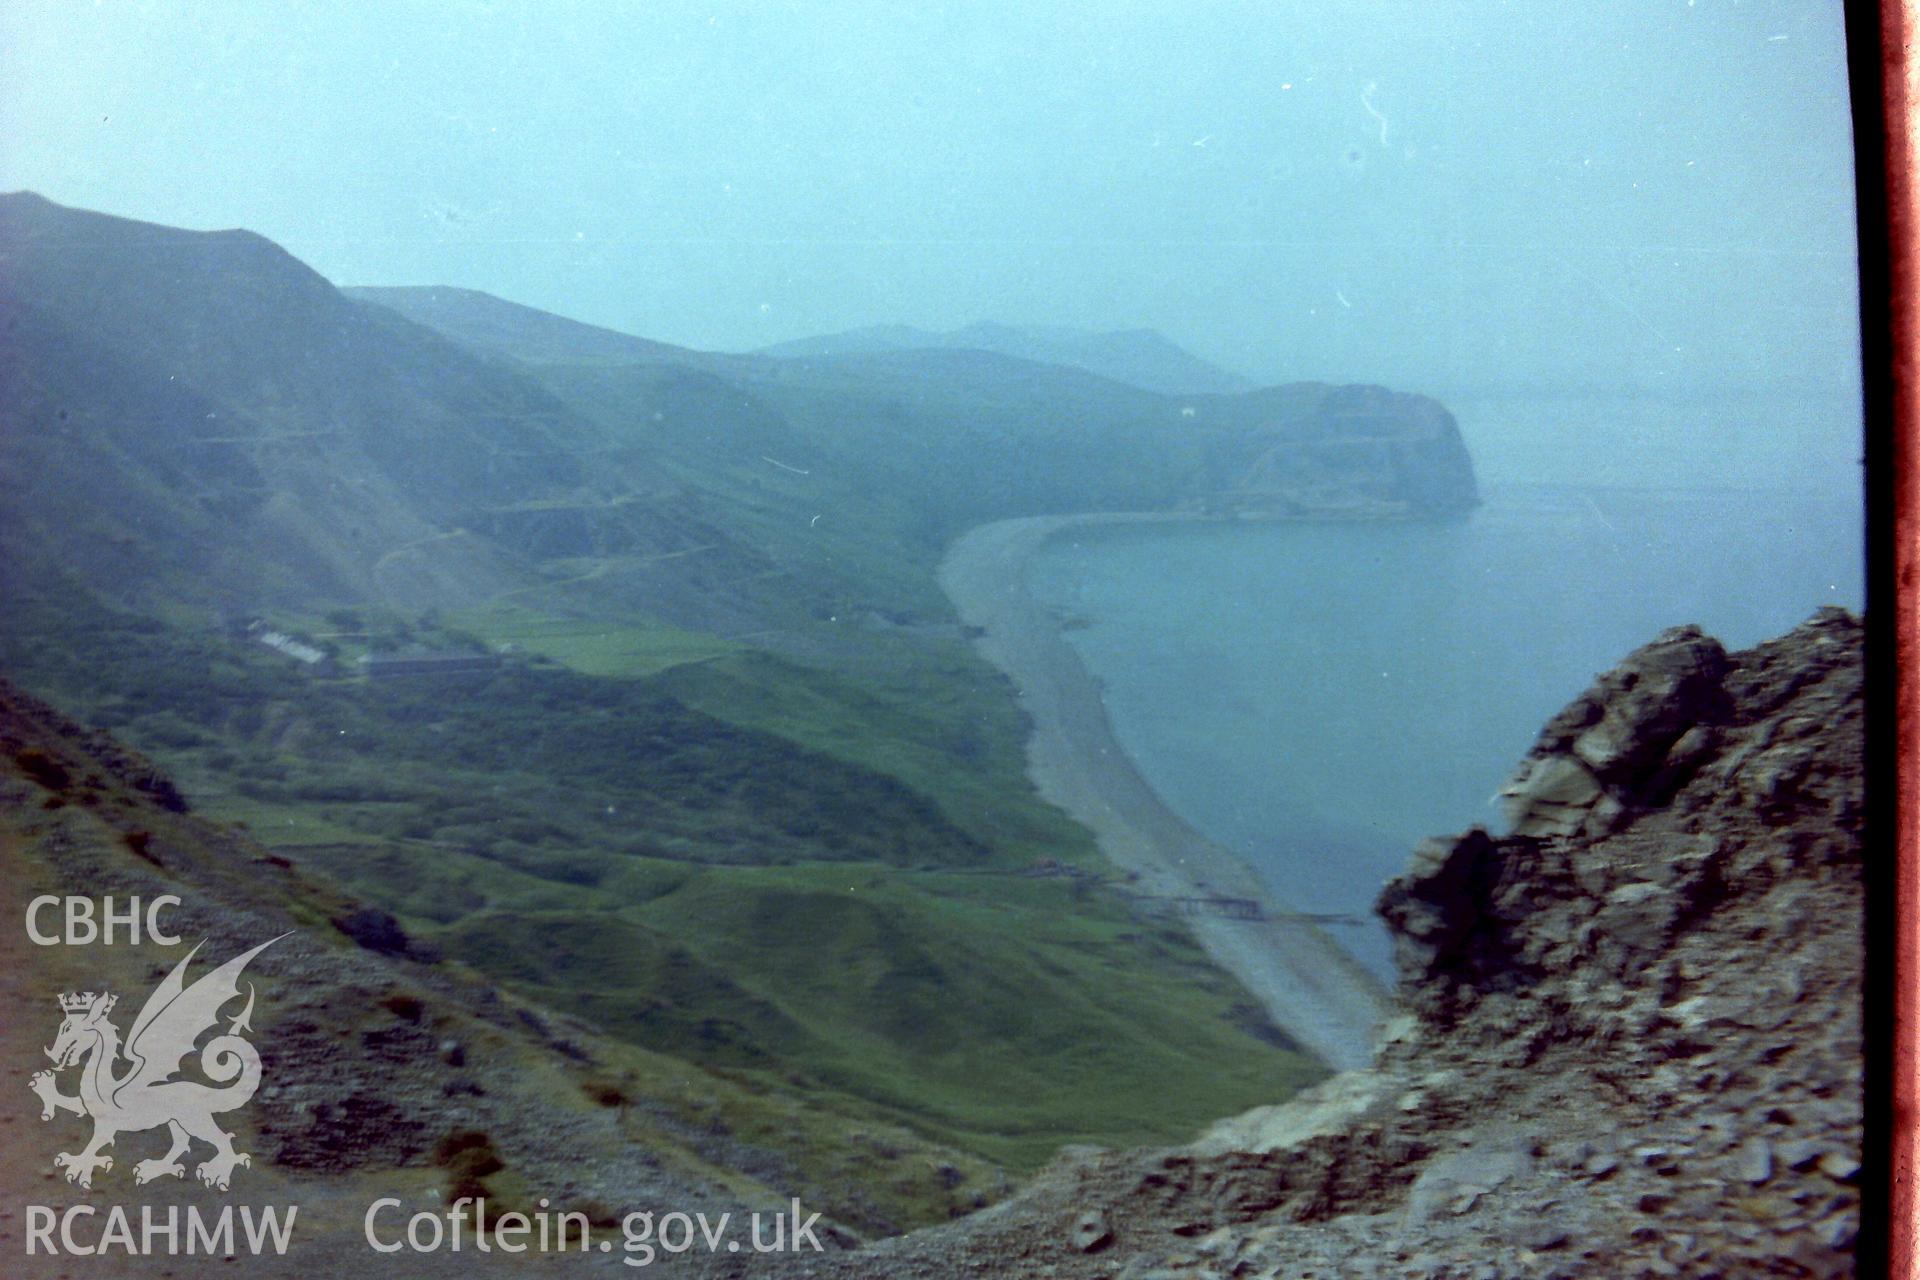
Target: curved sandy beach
[{"x": 1309, "y": 985}]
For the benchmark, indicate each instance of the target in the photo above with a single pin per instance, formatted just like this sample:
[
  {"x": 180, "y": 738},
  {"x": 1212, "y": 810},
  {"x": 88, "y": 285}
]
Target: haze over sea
[{"x": 1320, "y": 697}]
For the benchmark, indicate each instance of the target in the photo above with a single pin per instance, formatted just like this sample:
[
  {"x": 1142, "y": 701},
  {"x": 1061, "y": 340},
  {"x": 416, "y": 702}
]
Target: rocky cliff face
[
  {"x": 1632, "y": 1038},
  {"x": 1352, "y": 451}
]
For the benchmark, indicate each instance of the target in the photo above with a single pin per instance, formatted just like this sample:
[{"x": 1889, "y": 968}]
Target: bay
[{"x": 1319, "y": 697}]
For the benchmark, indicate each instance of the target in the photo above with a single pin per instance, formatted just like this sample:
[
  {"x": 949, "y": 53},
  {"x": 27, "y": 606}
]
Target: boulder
[
  {"x": 1629, "y": 741},
  {"x": 1550, "y": 796},
  {"x": 1435, "y": 903},
  {"x": 1091, "y": 1233}
]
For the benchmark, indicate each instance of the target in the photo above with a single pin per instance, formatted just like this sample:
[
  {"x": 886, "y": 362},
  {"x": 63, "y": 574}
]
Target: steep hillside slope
[
  {"x": 851, "y": 474},
  {"x": 1138, "y": 357},
  {"x": 487, "y": 323},
  {"x": 199, "y": 418},
  {"x": 959, "y": 435},
  {"x": 389, "y": 1050},
  {"x": 711, "y": 890},
  {"x": 386, "y": 1070},
  {"x": 1633, "y": 1033}
]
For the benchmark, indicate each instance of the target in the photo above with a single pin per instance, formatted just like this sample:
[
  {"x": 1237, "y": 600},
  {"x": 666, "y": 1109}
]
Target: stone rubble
[{"x": 1632, "y": 1042}]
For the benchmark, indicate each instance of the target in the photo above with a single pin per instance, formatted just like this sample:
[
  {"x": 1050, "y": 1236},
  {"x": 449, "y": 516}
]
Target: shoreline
[{"x": 1309, "y": 985}]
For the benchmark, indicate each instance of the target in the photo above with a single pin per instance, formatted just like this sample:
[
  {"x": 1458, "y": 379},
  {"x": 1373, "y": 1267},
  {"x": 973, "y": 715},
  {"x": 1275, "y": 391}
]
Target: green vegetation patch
[
  {"x": 807, "y": 886},
  {"x": 538, "y": 767},
  {"x": 596, "y": 647},
  {"x": 1001, "y": 1014},
  {"x": 938, "y": 718}
]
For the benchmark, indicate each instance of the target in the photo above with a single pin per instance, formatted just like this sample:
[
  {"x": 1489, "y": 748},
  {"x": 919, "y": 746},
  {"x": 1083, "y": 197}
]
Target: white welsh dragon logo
[{"x": 145, "y": 1095}]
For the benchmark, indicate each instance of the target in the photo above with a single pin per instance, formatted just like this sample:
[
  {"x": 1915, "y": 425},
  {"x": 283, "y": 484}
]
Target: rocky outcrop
[
  {"x": 1349, "y": 452},
  {"x": 1631, "y": 1042},
  {"x": 1671, "y": 751},
  {"x": 1626, "y": 744}
]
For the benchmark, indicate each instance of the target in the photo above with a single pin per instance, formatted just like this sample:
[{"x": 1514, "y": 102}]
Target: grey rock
[
  {"x": 1839, "y": 1166},
  {"x": 1091, "y": 1233},
  {"x": 1649, "y": 703},
  {"x": 1550, "y": 796},
  {"x": 1831, "y": 1112},
  {"x": 1456, "y": 1182},
  {"x": 1838, "y": 1231},
  {"x": 1752, "y": 1162},
  {"x": 1640, "y": 914},
  {"x": 1800, "y": 1153},
  {"x": 1221, "y": 1243},
  {"x": 1684, "y": 758},
  {"x": 1607, "y": 814},
  {"x": 1544, "y": 1237},
  {"x": 1434, "y": 906},
  {"x": 1573, "y": 1153}
]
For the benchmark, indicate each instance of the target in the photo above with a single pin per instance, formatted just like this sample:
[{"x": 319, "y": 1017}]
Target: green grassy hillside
[
  {"x": 761, "y": 868},
  {"x": 739, "y": 791}
]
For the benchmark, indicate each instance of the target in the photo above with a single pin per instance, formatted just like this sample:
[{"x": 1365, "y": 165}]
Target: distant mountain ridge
[
  {"x": 195, "y": 414},
  {"x": 201, "y": 416},
  {"x": 483, "y": 321},
  {"x": 1139, "y": 357}
]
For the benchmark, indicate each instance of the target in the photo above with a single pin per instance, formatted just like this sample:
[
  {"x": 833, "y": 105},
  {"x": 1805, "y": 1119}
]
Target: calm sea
[{"x": 1320, "y": 697}]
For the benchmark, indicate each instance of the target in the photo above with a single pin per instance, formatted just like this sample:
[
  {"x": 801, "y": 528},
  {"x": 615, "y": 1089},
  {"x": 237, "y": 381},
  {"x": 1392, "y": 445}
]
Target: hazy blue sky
[{"x": 1644, "y": 193}]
